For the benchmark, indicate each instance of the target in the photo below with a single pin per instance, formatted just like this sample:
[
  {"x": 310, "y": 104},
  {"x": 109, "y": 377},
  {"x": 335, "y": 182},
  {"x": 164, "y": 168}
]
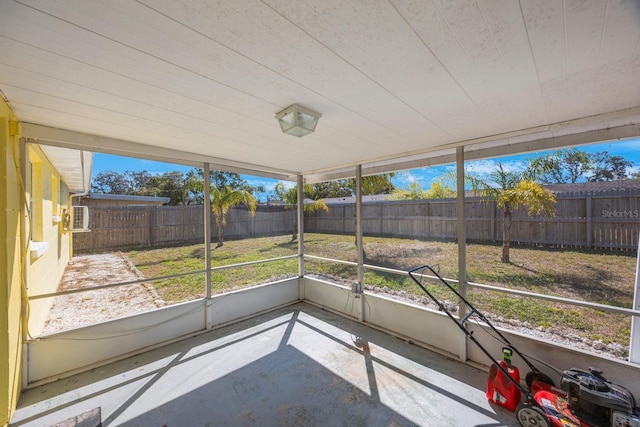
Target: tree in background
[
  {"x": 139, "y": 180},
  {"x": 315, "y": 193},
  {"x": 226, "y": 198},
  {"x": 193, "y": 188},
  {"x": 110, "y": 182},
  {"x": 563, "y": 166},
  {"x": 414, "y": 192},
  {"x": 510, "y": 190},
  {"x": 572, "y": 165},
  {"x": 221, "y": 179},
  {"x": 609, "y": 168},
  {"x": 373, "y": 184},
  {"x": 180, "y": 188},
  {"x": 438, "y": 190},
  {"x": 170, "y": 184},
  {"x": 330, "y": 189},
  {"x": 312, "y": 203}
]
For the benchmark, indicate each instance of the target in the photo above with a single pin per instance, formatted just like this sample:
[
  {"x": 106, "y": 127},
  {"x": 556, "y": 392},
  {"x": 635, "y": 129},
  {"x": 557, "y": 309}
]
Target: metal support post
[
  {"x": 300, "y": 213},
  {"x": 462, "y": 243},
  {"x": 634, "y": 347},
  {"x": 207, "y": 243},
  {"x": 359, "y": 243}
]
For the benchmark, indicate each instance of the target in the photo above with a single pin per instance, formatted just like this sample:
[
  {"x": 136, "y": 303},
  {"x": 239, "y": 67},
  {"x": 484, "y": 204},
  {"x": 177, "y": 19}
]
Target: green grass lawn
[
  {"x": 604, "y": 278},
  {"x": 169, "y": 261}
]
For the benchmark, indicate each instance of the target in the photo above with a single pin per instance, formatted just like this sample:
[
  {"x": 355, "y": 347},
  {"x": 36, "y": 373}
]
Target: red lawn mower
[{"x": 584, "y": 398}]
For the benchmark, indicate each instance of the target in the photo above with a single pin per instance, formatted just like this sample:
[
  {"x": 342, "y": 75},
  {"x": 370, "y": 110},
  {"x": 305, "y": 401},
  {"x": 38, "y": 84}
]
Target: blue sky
[{"x": 629, "y": 149}]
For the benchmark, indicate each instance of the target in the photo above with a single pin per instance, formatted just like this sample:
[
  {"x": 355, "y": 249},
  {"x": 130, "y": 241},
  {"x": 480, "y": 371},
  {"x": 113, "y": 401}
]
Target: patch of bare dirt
[{"x": 98, "y": 305}]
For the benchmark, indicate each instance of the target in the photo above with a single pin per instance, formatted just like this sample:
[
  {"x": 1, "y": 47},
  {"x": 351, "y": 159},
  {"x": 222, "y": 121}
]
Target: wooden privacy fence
[
  {"x": 156, "y": 226},
  {"x": 608, "y": 220}
]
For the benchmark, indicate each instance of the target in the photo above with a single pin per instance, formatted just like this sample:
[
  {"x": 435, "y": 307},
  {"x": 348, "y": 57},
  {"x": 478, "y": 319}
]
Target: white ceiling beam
[
  {"x": 556, "y": 142},
  {"x": 501, "y": 148},
  {"x": 46, "y": 135},
  {"x": 433, "y": 156}
]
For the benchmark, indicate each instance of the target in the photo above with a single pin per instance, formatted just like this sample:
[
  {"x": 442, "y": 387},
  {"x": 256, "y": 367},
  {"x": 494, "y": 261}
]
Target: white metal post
[
  {"x": 634, "y": 347},
  {"x": 360, "y": 245},
  {"x": 300, "y": 213},
  {"x": 462, "y": 244},
  {"x": 207, "y": 242}
]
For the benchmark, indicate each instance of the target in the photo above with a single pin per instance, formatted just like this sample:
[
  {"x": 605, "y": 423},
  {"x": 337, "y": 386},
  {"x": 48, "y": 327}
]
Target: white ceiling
[{"x": 399, "y": 83}]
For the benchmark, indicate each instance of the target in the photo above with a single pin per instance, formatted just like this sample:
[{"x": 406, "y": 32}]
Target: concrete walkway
[{"x": 296, "y": 366}]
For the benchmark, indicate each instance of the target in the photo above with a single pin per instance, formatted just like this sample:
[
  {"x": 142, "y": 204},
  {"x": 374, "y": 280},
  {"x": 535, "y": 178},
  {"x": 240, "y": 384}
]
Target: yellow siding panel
[
  {"x": 44, "y": 272},
  {"x": 10, "y": 287}
]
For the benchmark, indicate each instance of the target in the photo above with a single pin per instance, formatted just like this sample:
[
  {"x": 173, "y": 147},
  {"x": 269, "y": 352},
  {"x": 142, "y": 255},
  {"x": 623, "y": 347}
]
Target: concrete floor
[{"x": 296, "y": 366}]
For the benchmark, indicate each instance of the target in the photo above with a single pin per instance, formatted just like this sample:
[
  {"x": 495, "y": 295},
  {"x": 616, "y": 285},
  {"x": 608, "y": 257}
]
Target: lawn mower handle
[{"x": 468, "y": 333}]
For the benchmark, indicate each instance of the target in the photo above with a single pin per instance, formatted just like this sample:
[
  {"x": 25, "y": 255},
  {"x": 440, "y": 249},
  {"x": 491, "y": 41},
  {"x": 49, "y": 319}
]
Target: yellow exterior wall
[
  {"x": 44, "y": 188},
  {"x": 10, "y": 254},
  {"x": 47, "y": 196}
]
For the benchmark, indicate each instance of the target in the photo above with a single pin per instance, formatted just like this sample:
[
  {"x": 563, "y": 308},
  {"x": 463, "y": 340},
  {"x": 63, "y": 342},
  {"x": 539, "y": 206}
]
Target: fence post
[
  {"x": 427, "y": 219},
  {"x": 344, "y": 219},
  {"x": 588, "y": 201},
  {"x": 152, "y": 217},
  {"x": 493, "y": 222}
]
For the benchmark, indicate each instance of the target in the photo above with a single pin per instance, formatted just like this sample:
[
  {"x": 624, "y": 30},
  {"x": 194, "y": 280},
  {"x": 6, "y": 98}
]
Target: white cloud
[
  {"x": 484, "y": 168},
  {"x": 268, "y": 184},
  {"x": 481, "y": 167},
  {"x": 404, "y": 179},
  {"x": 424, "y": 177}
]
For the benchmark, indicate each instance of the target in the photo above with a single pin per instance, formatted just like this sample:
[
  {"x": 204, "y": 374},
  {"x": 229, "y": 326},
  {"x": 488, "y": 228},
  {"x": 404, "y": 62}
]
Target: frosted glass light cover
[{"x": 297, "y": 120}]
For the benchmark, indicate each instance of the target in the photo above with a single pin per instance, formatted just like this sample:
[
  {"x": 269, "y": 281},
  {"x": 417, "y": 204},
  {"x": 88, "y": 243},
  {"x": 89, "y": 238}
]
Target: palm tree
[
  {"x": 225, "y": 198},
  {"x": 510, "y": 190},
  {"x": 290, "y": 198}
]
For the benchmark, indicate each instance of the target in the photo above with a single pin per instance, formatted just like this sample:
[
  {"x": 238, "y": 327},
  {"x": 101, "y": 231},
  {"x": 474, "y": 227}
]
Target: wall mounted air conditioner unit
[{"x": 80, "y": 220}]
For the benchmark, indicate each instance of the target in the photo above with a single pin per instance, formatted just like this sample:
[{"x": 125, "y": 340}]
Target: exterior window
[
  {"x": 36, "y": 202},
  {"x": 55, "y": 196},
  {"x": 29, "y": 185},
  {"x": 37, "y": 187}
]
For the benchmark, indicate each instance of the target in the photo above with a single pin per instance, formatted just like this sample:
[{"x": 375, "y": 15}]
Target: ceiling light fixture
[{"x": 297, "y": 120}]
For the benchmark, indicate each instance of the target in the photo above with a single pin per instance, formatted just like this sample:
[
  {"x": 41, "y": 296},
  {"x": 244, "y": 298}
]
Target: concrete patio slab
[{"x": 295, "y": 366}]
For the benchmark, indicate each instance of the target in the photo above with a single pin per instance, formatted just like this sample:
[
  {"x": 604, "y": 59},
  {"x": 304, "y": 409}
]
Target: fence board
[
  {"x": 591, "y": 220},
  {"x": 153, "y": 226}
]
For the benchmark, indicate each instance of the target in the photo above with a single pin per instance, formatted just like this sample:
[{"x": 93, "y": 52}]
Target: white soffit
[
  {"x": 396, "y": 82},
  {"x": 74, "y": 167}
]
